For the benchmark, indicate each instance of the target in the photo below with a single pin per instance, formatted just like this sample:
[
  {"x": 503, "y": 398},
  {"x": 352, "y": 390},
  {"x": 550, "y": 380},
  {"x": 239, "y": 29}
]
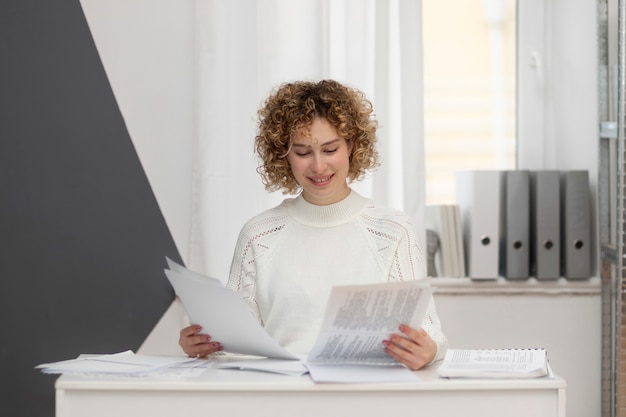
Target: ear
[{"x": 350, "y": 144}]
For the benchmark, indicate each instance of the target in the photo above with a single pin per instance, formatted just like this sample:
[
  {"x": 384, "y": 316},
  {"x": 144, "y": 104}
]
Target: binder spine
[
  {"x": 576, "y": 223},
  {"x": 479, "y": 195},
  {"x": 545, "y": 225},
  {"x": 521, "y": 224},
  {"x": 517, "y": 251}
]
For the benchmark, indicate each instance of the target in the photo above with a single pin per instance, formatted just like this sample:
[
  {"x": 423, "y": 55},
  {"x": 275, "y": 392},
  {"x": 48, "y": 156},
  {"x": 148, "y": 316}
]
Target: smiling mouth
[{"x": 321, "y": 180}]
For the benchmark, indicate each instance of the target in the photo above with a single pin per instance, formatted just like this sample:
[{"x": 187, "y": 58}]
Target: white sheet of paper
[
  {"x": 360, "y": 373},
  {"x": 235, "y": 327},
  {"x": 188, "y": 272},
  {"x": 359, "y": 317},
  {"x": 123, "y": 363},
  {"x": 277, "y": 366}
]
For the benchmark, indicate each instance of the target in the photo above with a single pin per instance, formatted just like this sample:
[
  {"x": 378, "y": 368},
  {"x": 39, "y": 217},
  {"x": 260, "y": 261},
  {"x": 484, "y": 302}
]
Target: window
[{"x": 469, "y": 90}]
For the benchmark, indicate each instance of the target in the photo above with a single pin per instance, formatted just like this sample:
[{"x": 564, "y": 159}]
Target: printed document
[
  {"x": 357, "y": 320},
  {"x": 494, "y": 363},
  {"x": 359, "y": 317}
]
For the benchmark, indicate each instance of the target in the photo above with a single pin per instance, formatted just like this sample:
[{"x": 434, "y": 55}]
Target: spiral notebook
[{"x": 494, "y": 363}]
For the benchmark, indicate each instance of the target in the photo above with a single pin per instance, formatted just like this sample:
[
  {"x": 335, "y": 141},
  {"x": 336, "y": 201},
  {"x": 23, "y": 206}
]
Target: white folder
[
  {"x": 480, "y": 199},
  {"x": 545, "y": 224},
  {"x": 517, "y": 231}
]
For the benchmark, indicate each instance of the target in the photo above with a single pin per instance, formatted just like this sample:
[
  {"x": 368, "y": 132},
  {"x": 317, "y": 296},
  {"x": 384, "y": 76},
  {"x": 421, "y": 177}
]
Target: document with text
[
  {"x": 494, "y": 363},
  {"x": 357, "y": 319}
]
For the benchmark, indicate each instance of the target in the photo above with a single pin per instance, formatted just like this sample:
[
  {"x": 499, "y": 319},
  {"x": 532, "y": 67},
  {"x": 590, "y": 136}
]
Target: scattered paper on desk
[
  {"x": 123, "y": 363},
  {"x": 277, "y": 366},
  {"x": 494, "y": 363},
  {"x": 362, "y": 374},
  {"x": 186, "y": 369}
]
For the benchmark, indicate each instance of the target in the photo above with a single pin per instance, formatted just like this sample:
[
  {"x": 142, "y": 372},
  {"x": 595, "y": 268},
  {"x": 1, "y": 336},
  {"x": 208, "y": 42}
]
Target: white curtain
[{"x": 244, "y": 48}]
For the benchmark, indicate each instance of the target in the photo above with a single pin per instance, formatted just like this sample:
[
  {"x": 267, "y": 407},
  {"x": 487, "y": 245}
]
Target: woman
[{"x": 316, "y": 138}]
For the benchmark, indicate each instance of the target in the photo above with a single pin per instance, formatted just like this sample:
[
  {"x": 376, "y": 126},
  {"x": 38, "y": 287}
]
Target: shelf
[{"x": 501, "y": 286}]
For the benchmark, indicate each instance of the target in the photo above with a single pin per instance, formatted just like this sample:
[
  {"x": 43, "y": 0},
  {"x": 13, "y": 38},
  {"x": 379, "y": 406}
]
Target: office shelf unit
[{"x": 612, "y": 112}]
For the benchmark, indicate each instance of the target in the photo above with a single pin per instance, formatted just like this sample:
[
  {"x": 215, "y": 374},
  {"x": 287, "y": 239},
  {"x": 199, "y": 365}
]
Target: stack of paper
[
  {"x": 124, "y": 363},
  {"x": 494, "y": 363},
  {"x": 445, "y": 221}
]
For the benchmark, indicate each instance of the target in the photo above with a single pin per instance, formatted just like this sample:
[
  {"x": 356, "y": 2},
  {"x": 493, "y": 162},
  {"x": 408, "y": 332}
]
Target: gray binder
[
  {"x": 517, "y": 231},
  {"x": 545, "y": 215},
  {"x": 480, "y": 199},
  {"x": 576, "y": 224}
]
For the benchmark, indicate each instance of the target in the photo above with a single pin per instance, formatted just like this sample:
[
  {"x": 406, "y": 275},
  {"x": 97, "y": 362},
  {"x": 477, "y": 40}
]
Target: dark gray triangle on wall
[{"x": 83, "y": 241}]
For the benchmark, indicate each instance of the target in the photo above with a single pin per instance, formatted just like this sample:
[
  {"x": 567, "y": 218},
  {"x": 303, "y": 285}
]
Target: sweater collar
[{"x": 330, "y": 215}]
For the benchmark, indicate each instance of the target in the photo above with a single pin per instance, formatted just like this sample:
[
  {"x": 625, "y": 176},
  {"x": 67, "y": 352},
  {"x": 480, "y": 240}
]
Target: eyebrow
[{"x": 330, "y": 142}]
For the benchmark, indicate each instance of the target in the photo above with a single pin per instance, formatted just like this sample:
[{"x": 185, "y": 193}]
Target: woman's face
[{"x": 319, "y": 160}]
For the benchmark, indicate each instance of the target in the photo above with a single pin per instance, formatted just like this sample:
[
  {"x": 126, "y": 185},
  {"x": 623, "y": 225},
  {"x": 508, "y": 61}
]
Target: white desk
[{"x": 245, "y": 393}]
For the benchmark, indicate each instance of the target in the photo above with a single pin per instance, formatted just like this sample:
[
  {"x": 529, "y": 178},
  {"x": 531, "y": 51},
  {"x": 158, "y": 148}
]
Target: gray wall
[{"x": 82, "y": 239}]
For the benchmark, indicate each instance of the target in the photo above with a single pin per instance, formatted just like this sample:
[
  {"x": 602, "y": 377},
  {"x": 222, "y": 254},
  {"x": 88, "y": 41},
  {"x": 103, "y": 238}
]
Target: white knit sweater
[{"x": 287, "y": 259}]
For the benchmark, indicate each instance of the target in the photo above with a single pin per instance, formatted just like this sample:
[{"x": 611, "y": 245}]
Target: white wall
[
  {"x": 558, "y": 67},
  {"x": 146, "y": 47},
  {"x": 147, "y": 50}
]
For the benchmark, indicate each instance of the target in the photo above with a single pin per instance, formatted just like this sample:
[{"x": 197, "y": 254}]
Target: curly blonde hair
[{"x": 294, "y": 106}]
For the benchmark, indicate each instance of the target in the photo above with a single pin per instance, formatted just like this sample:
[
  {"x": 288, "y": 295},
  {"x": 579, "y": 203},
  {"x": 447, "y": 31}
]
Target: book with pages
[{"x": 494, "y": 363}]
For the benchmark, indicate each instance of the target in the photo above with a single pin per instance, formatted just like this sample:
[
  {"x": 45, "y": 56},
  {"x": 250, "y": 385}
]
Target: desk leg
[
  {"x": 561, "y": 402},
  {"x": 60, "y": 403}
]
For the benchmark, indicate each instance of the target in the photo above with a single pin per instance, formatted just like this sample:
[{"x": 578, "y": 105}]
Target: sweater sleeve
[
  {"x": 255, "y": 240},
  {"x": 412, "y": 250},
  {"x": 242, "y": 278},
  {"x": 432, "y": 326}
]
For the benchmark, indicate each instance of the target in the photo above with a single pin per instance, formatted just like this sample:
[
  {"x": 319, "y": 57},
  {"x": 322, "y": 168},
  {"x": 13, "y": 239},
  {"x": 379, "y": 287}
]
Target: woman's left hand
[{"x": 414, "y": 348}]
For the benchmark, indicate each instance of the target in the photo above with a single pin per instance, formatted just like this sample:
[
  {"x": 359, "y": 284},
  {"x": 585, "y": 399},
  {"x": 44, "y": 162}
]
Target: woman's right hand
[{"x": 196, "y": 344}]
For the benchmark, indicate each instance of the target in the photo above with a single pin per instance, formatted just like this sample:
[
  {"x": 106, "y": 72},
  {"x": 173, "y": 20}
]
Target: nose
[{"x": 318, "y": 164}]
